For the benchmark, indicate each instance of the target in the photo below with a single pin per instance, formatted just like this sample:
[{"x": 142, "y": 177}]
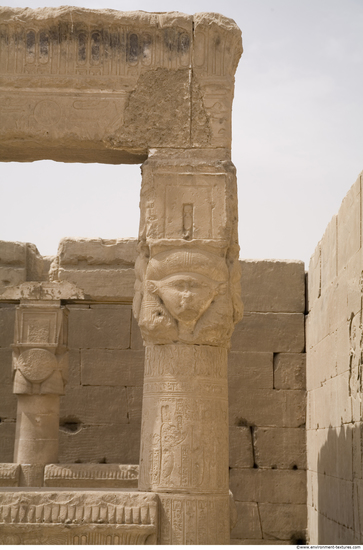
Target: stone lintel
[{"x": 80, "y": 85}]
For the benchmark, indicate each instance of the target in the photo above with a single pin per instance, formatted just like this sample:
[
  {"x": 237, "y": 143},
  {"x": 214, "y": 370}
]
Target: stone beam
[{"x": 80, "y": 85}]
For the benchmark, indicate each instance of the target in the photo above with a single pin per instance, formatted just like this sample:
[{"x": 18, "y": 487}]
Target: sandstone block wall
[
  {"x": 334, "y": 379},
  {"x": 101, "y": 410}
]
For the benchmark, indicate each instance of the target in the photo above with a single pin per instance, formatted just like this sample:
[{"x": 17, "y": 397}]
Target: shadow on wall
[{"x": 338, "y": 484}]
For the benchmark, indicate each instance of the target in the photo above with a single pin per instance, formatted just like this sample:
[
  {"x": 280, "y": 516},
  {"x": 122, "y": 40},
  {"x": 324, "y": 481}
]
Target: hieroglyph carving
[
  {"x": 188, "y": 519},
  {"x": 187, "y": 286},
  {"x": 40, "y": 358},
  {"x": 156, "y": 80},
  {"x": 185, "y": 425}
]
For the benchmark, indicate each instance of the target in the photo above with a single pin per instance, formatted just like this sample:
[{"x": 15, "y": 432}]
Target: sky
[{"x": 297, "y": 135}]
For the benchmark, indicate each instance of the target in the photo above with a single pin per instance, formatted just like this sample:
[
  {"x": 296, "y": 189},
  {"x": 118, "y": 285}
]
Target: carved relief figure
[
  {"x": 175, "y": 289},
  {"x": 171, "y": 436}
]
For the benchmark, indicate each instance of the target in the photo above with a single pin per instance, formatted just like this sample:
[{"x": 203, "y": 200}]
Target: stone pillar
[
  {"x": 187, "y": 301},
  {"x": 40, "y": 365}
]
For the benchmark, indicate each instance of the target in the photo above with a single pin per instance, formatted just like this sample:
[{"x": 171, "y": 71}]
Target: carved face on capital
[{"x": 186, "y": 296}]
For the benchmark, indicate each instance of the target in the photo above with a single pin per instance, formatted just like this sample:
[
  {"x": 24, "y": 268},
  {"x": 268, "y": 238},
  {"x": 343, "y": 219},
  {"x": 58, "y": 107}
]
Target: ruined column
[
  {"x": 40, "y": 365},
  {"x": 187, "y": 301}
]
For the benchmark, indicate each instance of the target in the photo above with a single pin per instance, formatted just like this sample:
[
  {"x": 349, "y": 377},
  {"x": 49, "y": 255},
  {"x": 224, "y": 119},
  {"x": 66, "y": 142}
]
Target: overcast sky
[{"x": 297, "y": 135}]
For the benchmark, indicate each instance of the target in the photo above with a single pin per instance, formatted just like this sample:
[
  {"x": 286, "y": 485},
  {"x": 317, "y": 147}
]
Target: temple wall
[
  {"x": 334, "y": 379},
  {"x": 100, "y": 415}
]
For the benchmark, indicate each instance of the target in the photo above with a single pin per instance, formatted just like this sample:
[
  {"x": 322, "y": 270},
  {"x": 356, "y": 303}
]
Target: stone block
[
  {"x": 334, "y": 533},
  {"x": 114, "y": 444},
  {"x": 99, "y": 405},
  {"x": 314, "y": 277},
  {"x": 102, "y": 367},
  {"x": 275, "y": 408},
  {"x": 73, "y": 517},
  {"x": 240, "y": 447},
  {"x": 6, "y": 374},
  {"x": 91, "y": 475},
  {"x": 97, "y": 251},
  {"x": 333, "y": 403},
  {"x": 134, "y": 403},
  {"x": 270, "y": 332},
  {"x": 273, "y": 286},
  {"x": 349, "y": 225},
  {"x": 11, "y": 276},
  {"x": 102, "y": 284},
  {"x": 332, "y": 449},
  {"x": 328, "y": 246},
  {"x": 289, "y": 371},
  {"x": 74, "y": 371},
  {"x": 7, "y": 438},
  {"x": 283, "y": 521},
  {"x": 248, "y": 522},
  {"x": 272, "y": 486},
  {"x": 335, "y": 499},
  {"x": 9, "y": 475},
  {"x": 312, "y": 489},
  {"x": 7, "y": 402},
  {"x": 99, "y": 326},
  {"x": 249, "y": 370},
  {"x": 282, "y": 448},
  {"x": 13, "y": 253},
  {"x": 7, "y": 325},
  {"x": 321, "y": 362}
]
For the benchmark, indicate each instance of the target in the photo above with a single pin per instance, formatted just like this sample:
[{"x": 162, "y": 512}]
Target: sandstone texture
[
  {"x": 100, "y": 413},
  {"x": 107, "y": 86},
  {"x": 82, "y": 85},
  {"x": 334, "y": 378}
]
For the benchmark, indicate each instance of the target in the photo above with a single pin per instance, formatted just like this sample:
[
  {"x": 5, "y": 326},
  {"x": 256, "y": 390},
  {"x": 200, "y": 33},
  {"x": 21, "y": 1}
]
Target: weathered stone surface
[
  {"x": 95, "y": 252},
  {"x": 249, "y": 370},
  {"x": 151, "y": 52},
  {"x": 240, "y": 447},
  {"x": 273, "y": 486},
  {"x": 270, "y": 332},
  {"x": 96, "y": 405},
  {"x": 273, "y": 286},
  {"x": 349, "y": 225},
  {"x": 102, "y": 367},
  {"x": 9, "y": 475},
  {"x": 7, "y": 323},
  {"x": 283, "y": 521},
  {"x": 314, "y": 277},
  {"x": 289, "y": 371},
  {"x": 7, "y": 438},
  {"x": 248, "y": 525},
  {"x": 283, "y": 448},
  {"x": 205, "y": 517},
  {"x": 99, "y": 326},
  {"x": 91, "y": 475},
  {"x": 329, "y": 252},
  {"x": 275, "y": 408},
  {"x": 88, "y": 517},
  {"x": 100, "y": 443},
  {"x": 19, "y": 262}
]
